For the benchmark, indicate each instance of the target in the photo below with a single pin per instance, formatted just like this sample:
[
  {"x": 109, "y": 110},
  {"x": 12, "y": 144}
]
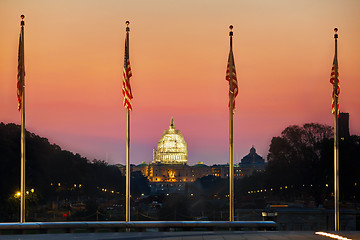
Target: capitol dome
[{"x": 171, "y": 149}]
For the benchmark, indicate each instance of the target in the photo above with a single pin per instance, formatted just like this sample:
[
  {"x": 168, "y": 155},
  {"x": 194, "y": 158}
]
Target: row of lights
[
  {"x": 59, "y": 185},
  {"x": 110, "y": 191},
  {"x": 18, "y": 193},
  {"x": 281, "y": 188},
  {"x": 80, "y": 186}
]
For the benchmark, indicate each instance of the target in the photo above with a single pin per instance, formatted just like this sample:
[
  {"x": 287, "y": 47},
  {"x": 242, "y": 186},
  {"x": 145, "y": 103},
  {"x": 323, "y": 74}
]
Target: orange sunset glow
[{"x": 74, "y": 57}]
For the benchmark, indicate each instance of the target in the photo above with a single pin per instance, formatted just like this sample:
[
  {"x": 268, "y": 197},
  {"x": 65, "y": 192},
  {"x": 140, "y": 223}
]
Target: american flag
[
  {"x": 336, "y": 92},
  {"x": 21, "y": 70},
  {"x": 126, "y": 89},
  {"x": 231, "y": 72}
]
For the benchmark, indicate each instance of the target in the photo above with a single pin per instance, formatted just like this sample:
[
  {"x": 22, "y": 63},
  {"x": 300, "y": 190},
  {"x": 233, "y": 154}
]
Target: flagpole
[
  {"x": 127, "y": 165},
  {"x": 231, "y": 140},
  {"x": 22, "y": 171},
  {"x": 127, "y": 211},
  {"x": 336, "y": 138}
]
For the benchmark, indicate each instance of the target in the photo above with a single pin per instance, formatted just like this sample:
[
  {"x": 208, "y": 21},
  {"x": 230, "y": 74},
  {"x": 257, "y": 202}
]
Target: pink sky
[{"x": 178, "y": 51}]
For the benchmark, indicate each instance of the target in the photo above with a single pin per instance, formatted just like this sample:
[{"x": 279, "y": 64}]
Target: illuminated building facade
[
  {"x": 172, "y": 148},
  {"x": 167, "y": 178},
  {"x": 171, "y": 178},
  {"x": 169, "y": 172}
]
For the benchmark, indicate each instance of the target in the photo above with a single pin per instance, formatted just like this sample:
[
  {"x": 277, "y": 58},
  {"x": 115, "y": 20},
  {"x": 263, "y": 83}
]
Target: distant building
[
  {"x": 344, "y": 131},
  {"x": 252, "y": 163},
  {"x": 169, "y": 172},
  {"x": 170, "y": 178}
]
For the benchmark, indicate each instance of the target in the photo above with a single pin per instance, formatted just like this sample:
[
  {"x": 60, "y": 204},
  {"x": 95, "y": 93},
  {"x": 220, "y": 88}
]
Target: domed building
[
  {"x": 169, "y": 172},
  {"x": 252, "y": 162},
  {"x": 252, "y": 158},
  {"x": 172, "y": 148}
]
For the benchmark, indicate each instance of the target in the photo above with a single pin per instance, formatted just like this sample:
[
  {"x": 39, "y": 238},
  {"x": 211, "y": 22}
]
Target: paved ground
[{"x": 243, "y": 235}]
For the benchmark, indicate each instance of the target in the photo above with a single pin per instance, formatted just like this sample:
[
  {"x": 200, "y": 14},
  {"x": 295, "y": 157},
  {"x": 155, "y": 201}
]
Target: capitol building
[
  {"x": 171, "y": 149},
  {"x": 169, "y": 172}
]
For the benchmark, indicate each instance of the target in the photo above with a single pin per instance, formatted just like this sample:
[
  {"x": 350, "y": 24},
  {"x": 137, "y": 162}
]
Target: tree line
[
  {"x": 53, "y": 174},
  {"x": 300, "y": 168}
]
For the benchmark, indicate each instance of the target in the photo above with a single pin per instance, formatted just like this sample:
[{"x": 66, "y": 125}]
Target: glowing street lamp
[{"x": 17, "y": 194}]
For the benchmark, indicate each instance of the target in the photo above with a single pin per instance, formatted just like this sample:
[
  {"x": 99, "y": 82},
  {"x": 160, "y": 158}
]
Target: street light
[{"x": 17, "y": 194}]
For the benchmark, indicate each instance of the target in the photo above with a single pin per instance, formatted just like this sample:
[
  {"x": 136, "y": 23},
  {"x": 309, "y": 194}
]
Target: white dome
[{"x": 172, "y": 148}]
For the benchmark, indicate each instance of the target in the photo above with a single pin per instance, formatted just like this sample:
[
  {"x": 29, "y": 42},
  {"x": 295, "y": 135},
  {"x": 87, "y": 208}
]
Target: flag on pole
[
  {"x": 336, "y": 92},
  {"x": 126, "y": 89},
  {"x": 21, "y": 70},
  {"x": 231, "y": 73}
]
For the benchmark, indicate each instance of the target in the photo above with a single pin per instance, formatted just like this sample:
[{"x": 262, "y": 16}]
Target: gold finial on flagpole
[
  {"x": 22, "y": 20},
  {"x": 127, "y": 26},
  {"x": 336, "y": 30}
]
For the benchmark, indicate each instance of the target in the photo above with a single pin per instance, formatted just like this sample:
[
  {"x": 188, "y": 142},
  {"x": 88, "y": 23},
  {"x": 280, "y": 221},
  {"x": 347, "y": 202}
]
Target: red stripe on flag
[
  {"x": 335, "y": 93},
  {"x": 21, "y": 71},
  {"x": 231, "y": 67},
  {"x": 126, "y": 88}
]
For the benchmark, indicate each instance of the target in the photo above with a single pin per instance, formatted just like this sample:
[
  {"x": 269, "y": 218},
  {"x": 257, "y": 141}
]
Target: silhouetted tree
[
  {"x": 53, "y": 173},
  {"x": 139, "y": 184},
  {"x": 295, "y": 160},
  {"x": 210, "y": 186},
  {"x": 175, "y": 207}
]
